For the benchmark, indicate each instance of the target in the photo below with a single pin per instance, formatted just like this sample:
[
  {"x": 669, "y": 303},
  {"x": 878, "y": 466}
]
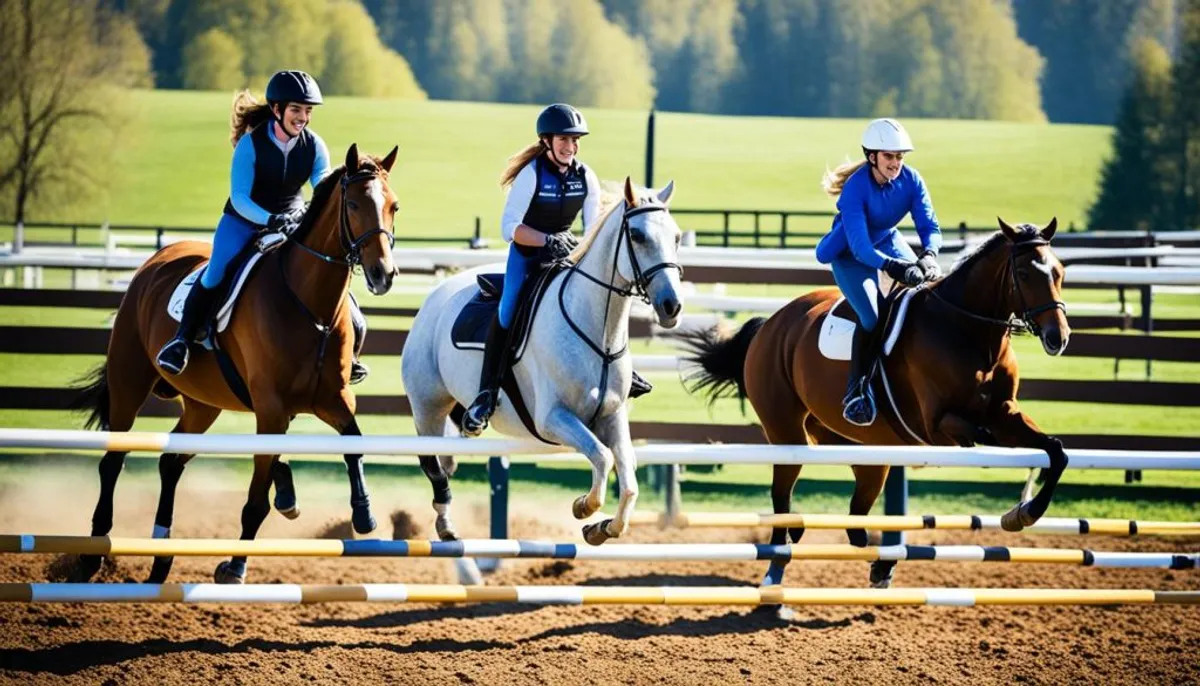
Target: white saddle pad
[
  {"x": 837, "y": 333},
  {"x": 225, "y": 314}
]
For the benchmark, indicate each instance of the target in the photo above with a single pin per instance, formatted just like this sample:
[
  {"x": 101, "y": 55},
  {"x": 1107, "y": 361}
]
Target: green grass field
[{"x": 174, "y": 170}]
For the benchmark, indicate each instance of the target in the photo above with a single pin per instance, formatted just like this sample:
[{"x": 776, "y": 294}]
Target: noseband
[{"x": 351, "y": 245}]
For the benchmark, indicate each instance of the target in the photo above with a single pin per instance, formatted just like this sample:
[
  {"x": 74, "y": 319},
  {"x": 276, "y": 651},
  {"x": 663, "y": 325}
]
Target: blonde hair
[
  {"x": 835, "y": 180},
  {"x": 518, "y": 161},
  {"x": 247, "y": 114}
]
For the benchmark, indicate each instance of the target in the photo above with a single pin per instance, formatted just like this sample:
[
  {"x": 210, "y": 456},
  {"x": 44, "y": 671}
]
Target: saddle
[
  {"x": 237, "y": 273},
  {"x": 469, "y": 331},
  {"x": 837, "y": 331}
]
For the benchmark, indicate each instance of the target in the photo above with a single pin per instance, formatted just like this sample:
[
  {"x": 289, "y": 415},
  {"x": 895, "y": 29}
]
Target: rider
[
  {"x": 547, "y": 188},
  {"x": 270, "y": 166},
  {"x": 873, "y": 195}
]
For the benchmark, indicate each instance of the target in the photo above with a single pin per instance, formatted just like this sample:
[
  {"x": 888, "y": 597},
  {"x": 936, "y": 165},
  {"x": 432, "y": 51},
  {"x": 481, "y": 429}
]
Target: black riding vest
[
  {"x": 278, "y": 179},
  {"x": 557, "y": 200}
]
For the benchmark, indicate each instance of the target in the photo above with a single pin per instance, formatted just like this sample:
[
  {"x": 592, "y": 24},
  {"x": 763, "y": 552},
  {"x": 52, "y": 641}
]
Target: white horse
[{"x": 575, "y": 376}]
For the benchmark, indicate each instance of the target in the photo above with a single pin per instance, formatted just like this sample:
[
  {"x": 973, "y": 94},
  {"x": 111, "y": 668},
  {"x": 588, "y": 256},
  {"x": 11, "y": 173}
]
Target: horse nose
[
  {"x": 1054, "y": 340},
  {"x": 672, "y": 306}
]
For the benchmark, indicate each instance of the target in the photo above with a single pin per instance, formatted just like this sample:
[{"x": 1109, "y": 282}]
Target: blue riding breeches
[
  {"x": 515, "y": 272},
  {"x": 233, "y": 233},
  {"x": 860, "y": 283}
]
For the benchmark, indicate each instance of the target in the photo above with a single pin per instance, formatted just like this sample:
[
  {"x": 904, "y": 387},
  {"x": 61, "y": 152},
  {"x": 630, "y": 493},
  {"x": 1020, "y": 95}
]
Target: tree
[
  {"x": 1135, "y": 193},
  {"x": 356, "y": 63},
  {"x": 1183, "y": 133},
  {"x": 212, "y": 61},
  {"x": 68, "y": 64}
]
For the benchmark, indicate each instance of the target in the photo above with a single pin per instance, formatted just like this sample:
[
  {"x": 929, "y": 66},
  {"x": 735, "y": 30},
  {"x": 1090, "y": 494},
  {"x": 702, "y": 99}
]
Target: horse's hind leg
[
  {"x": 435, "y": 422},
  {"x": 783, "y": 422},
  {"x": 233, "y": 571},
  {"x": 197, "y": 418},
  {"x": 129, "y": 376}
]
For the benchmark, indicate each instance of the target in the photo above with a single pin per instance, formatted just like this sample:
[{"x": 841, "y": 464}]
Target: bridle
[
  {"x": 639, "y": 287},
  {"x": 351, "y": 245},
  {"x": 1027, "y": 320}
]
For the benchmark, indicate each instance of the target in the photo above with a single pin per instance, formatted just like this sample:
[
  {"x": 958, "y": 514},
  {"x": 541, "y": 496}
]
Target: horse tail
[
  {"x": 719, "y": 361},
  {"x": 93, "y": 398}
]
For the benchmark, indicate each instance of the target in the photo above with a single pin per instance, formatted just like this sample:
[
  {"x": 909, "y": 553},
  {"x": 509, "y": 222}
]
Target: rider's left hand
[
  {"x": 929, "y": 265},
  {"x": 270, "y": 242}
]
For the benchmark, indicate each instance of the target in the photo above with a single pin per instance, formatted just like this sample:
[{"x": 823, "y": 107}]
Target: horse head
[
  {"x": 651, "y": 240},
  {"x": 368, "y": 215},
  {"x": 1037, "y": 277}
]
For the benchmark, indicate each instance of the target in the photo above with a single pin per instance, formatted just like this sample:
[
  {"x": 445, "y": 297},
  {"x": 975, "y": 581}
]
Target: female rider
[
  {"x": 547, "y": 188},
  {"x": 873, "y": 195},
  {"x": 270, "y": 166}
]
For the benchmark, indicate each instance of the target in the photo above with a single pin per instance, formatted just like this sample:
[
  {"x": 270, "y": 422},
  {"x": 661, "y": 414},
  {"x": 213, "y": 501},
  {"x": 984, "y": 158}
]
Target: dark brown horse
[
  {"x": 952, "y": 371},
  {"x": 290, "y": 339}
]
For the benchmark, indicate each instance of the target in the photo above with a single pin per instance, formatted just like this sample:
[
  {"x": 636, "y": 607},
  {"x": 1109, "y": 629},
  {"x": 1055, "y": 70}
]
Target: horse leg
[
  {"x": 129, "y": 376},
  {"x": 785, "y": 423},
  {"x": 868, "y": 484},
  {"x": 1016, "y": 429},
  {"x": 435, "y": 423},
  {"x": 233, "y": 571},
  {"x": 197, "y": 418},
  {"x": 341, "y": 417},
  {"x": 614, "y": 431},
  {"x": 563, "y": 426},
  {"x": 286, "y": 502}
]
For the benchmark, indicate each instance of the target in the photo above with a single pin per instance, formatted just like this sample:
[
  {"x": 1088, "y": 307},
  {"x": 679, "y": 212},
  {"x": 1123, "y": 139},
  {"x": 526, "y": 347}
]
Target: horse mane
[
  {"x": 610, "y": 200},
  {"x": 964, "y": 264},
  {"x": 324, "y": 191}
]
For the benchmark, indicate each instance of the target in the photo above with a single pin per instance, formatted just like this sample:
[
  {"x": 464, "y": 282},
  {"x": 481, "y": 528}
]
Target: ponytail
[
  {"x": 518, "y": 161},
  {"x": 247, "y": 114}
]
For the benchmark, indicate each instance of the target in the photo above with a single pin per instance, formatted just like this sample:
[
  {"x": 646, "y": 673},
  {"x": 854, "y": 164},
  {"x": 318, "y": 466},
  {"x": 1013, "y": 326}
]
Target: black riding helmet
[
  {"x": 561, "y": 120},
  {"x": 293, "y": 86}
]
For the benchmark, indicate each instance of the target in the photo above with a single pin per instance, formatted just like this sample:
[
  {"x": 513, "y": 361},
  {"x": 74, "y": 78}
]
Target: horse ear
[
  {"x": 352, "y": 158},
  {"x": 630, "y": 196},
  {"x": 390, "y": 159},
  {"x": 1048, "y": 232},
  {"x": 664, "y": 196},
  {"x": 1009, "y": 232}
]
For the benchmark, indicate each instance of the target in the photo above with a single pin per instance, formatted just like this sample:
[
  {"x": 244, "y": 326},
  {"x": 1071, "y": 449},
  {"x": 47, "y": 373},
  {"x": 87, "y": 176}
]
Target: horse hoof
[
  {"x": 882, "y": 572},
  {"x": 1017, "y": 518},
  {"x": 781, "y": 613},
  {"x": 579, "y": 508},
  {"x": 227, "y": 573},
  {"x": 290, "y": 513},
  {"x": 288, "y": 507},
  {"x": 597, "y": 533},
  {"x": 85, "y": 568},
  {"x": 363, "y": 521},
  {"x": 446, "y": 530}
]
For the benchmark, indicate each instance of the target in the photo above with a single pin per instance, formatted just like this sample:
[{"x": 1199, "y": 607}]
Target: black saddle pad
[{"x": 470, "y": 328}]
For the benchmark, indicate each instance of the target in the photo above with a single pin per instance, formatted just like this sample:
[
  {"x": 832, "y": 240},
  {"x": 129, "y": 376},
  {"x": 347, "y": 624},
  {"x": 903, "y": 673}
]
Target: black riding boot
[
  {"x": 358, "y": 370},
  {"x": 495, "y": 357},
  {"x": 858, "y": 406},
  {"x": 640, "y": 386},
  {"x": 173, "y": 358}
]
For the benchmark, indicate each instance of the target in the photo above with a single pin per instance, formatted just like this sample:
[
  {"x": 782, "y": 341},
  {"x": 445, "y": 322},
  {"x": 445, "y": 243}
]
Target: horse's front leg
[
  {"x": 258, "y": 505},
  {"x": 1015, "y": 429},
  {"x": 561, "y": 425},
  {"x": 339, "y": 414},
  {"x": 613, "y": 430}
]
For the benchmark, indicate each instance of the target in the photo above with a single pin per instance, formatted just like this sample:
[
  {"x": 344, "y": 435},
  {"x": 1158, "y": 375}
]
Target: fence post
[
  {"x": 477, "y": 242},
  {"x": 674, "y": 498},
  {"x": 18, "y": 238},
  {"x": 895, "y": 502},
  {"x": 783, "y": 217},
  {"x": 158, "y": 238},
  {"x": 650, "y": 150},
  {"x": 756, "y": 231},
  {"x": 498, "y": 468},
  {"x": 725, "y": 236},
  {"x": 962, "y": 232}
]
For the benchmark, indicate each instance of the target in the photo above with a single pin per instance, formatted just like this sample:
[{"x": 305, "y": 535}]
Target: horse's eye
[
  {"x": 352, "y": 205},
  {"x": 1023, "y": 274},
  {"x": 638, "y": 235},
  {"x": 396, "y": 208}
]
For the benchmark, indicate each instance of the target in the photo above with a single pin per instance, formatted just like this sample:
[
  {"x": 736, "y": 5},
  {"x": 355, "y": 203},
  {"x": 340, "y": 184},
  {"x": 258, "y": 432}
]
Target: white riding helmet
[{"x": 886, "y": 135}]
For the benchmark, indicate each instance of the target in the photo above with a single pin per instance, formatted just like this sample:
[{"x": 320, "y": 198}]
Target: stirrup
[
  {"x": 358, "y": 372},
  {"x": 858, "y": 407},
  {"x": 171, "y": 361},
  {"x": 475, "y": 419}
]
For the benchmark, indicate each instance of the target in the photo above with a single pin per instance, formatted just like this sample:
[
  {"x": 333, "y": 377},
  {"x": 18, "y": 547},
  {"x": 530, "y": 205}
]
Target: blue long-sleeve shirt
[
  {"x": 242, "y": 173},
  {"x": 868, "y": 212}
]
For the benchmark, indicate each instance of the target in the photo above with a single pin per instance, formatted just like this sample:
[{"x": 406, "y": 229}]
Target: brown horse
[
  {"x": 290, "y": 340},
  {"x": 952, "y": 371}
]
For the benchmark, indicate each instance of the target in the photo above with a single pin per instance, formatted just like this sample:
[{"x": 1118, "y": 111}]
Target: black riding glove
[
  {"x": 558, "y": 246},
  {"x": 285, "y": 223},
  {"x": 905, "y": 272},
  {"x": 929, "y": 265}
]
